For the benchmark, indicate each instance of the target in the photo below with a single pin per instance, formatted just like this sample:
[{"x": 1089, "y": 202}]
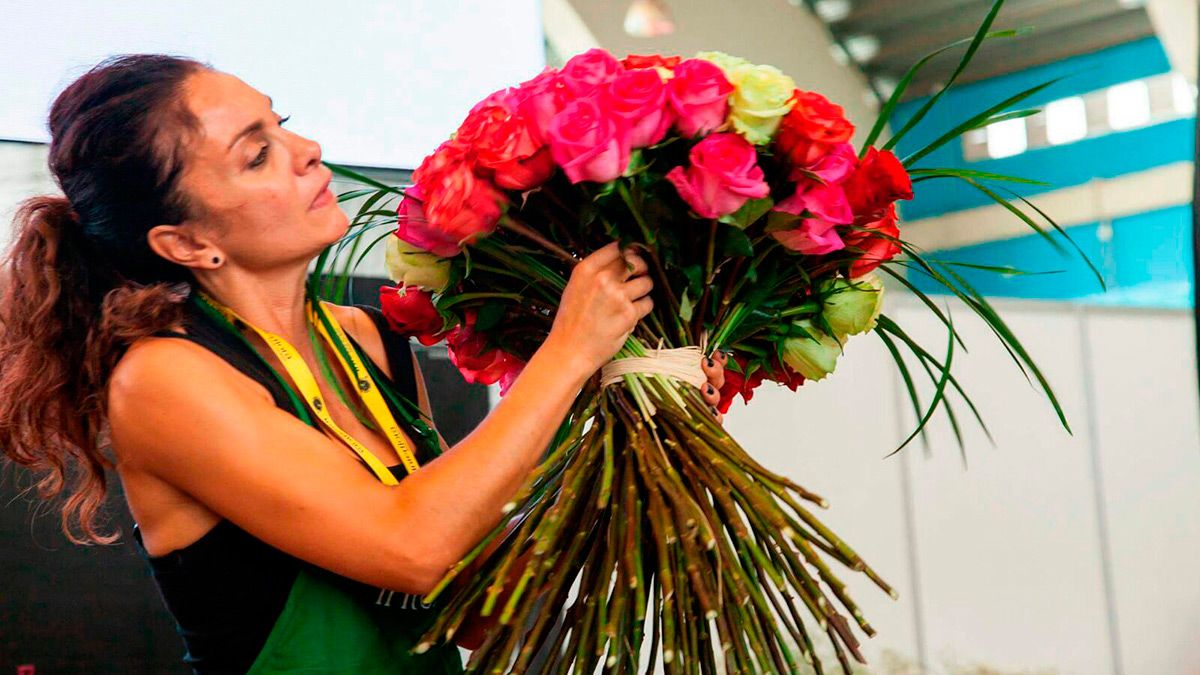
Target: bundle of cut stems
[{"x": 636, "y": 524}]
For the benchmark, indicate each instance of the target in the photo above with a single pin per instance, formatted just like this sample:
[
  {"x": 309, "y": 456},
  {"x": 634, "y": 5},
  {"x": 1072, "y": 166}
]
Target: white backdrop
[
  {"x": 1049, "y": 553},
  {"x": 378, "y": 82}
]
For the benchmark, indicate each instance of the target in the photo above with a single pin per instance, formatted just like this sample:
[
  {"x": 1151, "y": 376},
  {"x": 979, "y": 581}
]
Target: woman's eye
[
  {"x": 283, "y": 120},
  {"x": 259, "y": 158}
]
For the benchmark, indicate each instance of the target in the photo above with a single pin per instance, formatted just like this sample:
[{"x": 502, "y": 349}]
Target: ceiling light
[
  {"x": 862, "y": 48},
  {"x": 648, "y": 18},
  {"x": 832, "y": 11}
]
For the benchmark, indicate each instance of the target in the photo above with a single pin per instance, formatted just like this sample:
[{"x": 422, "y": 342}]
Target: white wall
[
  {"x": 380, "y": 83},
  {"x": 1049, "y": 552}
]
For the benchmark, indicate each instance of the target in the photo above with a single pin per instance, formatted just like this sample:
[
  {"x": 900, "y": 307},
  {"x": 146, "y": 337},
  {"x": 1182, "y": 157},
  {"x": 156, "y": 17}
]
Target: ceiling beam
[
  {"x": 1009, "y": 56},
  {"x": 870, "y": 16},
  {"x": 1039, "y": 16}
]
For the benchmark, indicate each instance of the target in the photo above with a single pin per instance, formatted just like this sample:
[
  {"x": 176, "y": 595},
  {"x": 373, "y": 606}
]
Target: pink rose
[
  {"x": 640, "y": 98},
  {"x": 813, "y": 237},
  {"x": 413, "y": 227},
  {"x": 540, "y": 99},
  {"x": 589, "y": 142},
  {"x": 824, "y": 201},
  {"x": 723, "y": 175},
  {"x": 834, "y": 166},
  {"x": 410, "y": 312},
  {"x": 699, "y": 93},
  {"x": 585, "y": 73}
]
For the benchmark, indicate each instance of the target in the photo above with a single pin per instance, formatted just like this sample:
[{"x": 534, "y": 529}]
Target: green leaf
[
  {"x": 939, "y": 390},
  {"x": 980, "y": 35},
  {"x": 489, "y": 316},
  {"x": 1061, "y": 231},
  {"x": 732, "y": 241},
  {"x": 906, "y": 376},
  {"x": 354, "y": 194},
  {"x": 695, "y": 277},
  {"x": 1008, "y": 206},
  {"x": 929, "y": 364},
  {"x": 685, "y": 306},
  {"x": 973, "y": 122},
  {"x": 1004, "y": 117},
  {"x": 1005, "y": 270},
  {"x": 885, "y": 113},
  {"x": 637, "y": 164},
  {"x": 605, "y": 190},
  {"x": 750, "y": 212},
  {"x": 779, "y": 220},
  {"x": 931, "y": 174},
  {"x": 353, "y": 175}
]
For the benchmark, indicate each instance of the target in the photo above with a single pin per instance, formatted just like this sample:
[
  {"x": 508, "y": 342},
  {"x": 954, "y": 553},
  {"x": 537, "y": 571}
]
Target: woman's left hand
[{"x": 714, "y": 368}]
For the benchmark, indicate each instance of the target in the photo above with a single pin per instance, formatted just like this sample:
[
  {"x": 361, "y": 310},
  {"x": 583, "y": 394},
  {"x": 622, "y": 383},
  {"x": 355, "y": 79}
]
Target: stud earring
[{"x": 216, "y": 260}]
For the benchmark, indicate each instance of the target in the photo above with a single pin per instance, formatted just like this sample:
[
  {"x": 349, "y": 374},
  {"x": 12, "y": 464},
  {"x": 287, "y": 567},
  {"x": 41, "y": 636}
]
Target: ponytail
[
  {"x": 82, "y": 283},
  {"x": 65, "y": 318}
]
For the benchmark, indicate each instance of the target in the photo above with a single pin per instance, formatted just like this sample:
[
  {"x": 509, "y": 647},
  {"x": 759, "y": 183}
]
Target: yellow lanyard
[{"x": 367, "y": 390}]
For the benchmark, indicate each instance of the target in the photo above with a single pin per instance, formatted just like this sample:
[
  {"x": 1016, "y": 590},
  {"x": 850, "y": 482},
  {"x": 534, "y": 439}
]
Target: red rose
[
  {"x": 699, "y": 93},
  {"x": 875, "y": 240},
  {"x": 410, "y": 312},
  {"x": 479, "y": 364},
  {"x": 811, "y": 129},
  {"x": 634, "y": 61},
  {"x": 877, "y": 183},
  {"x": 783, "y": 374},
  {"x": 585, "y": 73},
  {"x": 458, "y": 206},
  {"x": 506, "y": 148},
  {"x": 640, "y": 98},
  {"x": 736, "y": 383}
]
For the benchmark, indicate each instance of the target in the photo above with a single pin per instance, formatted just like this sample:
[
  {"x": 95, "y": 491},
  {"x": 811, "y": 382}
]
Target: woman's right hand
[{"x": 605, "y": 298}]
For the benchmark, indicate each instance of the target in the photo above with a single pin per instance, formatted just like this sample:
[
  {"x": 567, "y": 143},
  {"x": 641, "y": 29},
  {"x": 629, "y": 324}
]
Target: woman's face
[{"x": 263, "y": 194}]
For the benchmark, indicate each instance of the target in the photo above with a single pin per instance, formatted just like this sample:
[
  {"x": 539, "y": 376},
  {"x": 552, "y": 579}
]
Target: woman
[{"x": 187, "y": 202}]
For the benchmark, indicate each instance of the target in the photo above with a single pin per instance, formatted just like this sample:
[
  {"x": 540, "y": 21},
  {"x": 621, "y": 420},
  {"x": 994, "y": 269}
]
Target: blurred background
[{"x": 1038, "y": 551}]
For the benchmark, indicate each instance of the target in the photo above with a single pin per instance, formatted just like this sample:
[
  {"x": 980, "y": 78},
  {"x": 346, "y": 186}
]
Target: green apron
[
  {"x": 332, "y": 625},
  {"x": 325, "y": 630}
]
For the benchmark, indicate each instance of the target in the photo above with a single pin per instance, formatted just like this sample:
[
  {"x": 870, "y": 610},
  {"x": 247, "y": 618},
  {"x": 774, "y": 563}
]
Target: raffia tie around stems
[{"x": 682, "y": 363}]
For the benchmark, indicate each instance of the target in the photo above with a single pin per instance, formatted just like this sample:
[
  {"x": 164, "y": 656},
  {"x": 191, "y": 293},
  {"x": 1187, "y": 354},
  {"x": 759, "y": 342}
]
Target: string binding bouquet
[{"x": 766, "y": 234}]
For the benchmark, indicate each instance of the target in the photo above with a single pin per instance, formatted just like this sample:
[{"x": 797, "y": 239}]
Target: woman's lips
[{"x": 325, "y": 198}]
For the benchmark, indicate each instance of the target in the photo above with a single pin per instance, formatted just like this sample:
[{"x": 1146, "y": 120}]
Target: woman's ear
[{"x": 181, "y": 245}]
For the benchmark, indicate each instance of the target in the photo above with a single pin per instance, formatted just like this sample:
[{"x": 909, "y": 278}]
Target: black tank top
[{"x": 226, "y": 589}]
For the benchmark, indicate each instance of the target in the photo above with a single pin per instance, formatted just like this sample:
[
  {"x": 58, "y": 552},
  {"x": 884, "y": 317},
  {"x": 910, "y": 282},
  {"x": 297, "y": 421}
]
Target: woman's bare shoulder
[{"x": 158, "y": 374}]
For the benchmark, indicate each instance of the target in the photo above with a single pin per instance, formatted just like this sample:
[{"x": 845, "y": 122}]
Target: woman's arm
[{"x": 181, "y": 414}]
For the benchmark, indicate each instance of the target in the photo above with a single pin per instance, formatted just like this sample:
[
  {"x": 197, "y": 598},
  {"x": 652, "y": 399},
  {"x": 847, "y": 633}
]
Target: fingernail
[
  {"x": 714, "y": 410},
  {"x": 711, "y": 363},
  {"x": 710, "y": 390}
]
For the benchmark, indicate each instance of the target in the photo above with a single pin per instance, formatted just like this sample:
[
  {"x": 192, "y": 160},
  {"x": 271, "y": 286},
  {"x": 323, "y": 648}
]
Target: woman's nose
[{"x": 307, "y": 155}]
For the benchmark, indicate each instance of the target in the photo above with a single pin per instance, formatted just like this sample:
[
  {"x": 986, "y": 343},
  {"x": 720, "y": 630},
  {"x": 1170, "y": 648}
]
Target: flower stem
[{"x": 510, "y": 222}]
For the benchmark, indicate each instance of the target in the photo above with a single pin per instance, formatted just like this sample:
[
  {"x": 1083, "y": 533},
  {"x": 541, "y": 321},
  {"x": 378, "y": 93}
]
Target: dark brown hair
[{"x": 81, "y": 281}]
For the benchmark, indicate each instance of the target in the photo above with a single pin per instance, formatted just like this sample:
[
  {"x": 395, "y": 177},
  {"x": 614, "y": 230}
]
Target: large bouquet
[{"x": 765, "y": 232}]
